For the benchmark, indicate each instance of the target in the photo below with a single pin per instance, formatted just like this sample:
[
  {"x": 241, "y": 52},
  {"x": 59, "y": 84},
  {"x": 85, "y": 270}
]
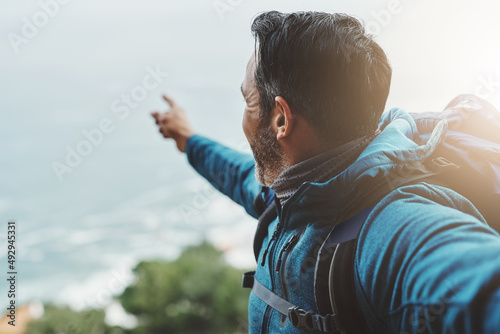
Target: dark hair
[{"x": 328, "y": 69}]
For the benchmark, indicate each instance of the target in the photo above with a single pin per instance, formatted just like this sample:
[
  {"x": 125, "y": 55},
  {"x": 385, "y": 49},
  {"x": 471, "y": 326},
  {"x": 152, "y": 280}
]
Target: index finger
[{"x": 169, "y": 100}]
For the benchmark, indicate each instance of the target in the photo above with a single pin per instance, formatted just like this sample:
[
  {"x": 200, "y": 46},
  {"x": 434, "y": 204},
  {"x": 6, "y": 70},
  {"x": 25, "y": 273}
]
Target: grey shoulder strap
[{"x": 298, "y": 317}]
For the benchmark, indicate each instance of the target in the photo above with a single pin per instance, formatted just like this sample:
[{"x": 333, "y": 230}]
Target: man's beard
[{"x": 268, "y": 155}]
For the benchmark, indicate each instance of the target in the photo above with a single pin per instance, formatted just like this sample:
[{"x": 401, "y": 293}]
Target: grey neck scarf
[{"x": 319, "y": 168}]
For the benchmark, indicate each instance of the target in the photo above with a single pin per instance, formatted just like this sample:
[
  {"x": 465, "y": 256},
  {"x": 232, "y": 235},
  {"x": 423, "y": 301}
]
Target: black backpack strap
[
  {"x": 342, "y": 289},
  {"x": 265, "y": 205},
  {"x": 260, "y": 201},
  {"x": 334, "y": 275},
  {"x": 263, "y": 200}
]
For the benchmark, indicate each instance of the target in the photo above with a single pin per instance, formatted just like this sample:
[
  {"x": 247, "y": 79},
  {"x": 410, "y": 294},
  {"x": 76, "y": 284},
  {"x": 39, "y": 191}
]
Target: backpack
[{"x": 470, "y": 155}]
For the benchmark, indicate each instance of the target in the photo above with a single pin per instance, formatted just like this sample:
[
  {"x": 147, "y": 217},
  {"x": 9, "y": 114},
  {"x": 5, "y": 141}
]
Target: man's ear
[{"x": 282, "y": 120}]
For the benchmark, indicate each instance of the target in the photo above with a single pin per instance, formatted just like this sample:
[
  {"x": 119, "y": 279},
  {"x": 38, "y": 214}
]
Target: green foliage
[
  {"x": 65, "y": 320},
  {"x": 197, "y": 293}
]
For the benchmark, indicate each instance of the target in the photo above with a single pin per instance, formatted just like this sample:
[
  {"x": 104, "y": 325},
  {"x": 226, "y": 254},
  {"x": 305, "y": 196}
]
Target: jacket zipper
[
  {"x": 281, "y": 267},
  {"x": 263, "y": 330},
  {"x": 274, "y": 237},
  {"x": 293, "y": 240}
]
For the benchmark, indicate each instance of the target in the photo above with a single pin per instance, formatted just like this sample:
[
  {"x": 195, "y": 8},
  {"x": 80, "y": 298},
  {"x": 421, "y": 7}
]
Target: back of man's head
[{"x": 326, "y": 67}]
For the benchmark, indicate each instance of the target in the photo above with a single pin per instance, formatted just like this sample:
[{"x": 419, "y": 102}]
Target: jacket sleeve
[
  {"x": 427, "y": 262},
  {"x": 229, "y": 171}
]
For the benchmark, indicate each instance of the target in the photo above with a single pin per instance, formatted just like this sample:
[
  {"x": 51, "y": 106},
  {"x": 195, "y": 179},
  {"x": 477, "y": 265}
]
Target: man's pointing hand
[{"x": 174, "y": 124}]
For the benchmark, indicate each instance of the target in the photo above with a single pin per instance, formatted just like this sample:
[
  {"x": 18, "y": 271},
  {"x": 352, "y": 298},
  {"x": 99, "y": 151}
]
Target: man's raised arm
[{"x": 229, "y": 171}]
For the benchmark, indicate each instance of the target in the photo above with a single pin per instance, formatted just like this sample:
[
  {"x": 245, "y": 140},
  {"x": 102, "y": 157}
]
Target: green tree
[
  {"x": 65, "y": 320},
  {"x": 197, "y": 293}
]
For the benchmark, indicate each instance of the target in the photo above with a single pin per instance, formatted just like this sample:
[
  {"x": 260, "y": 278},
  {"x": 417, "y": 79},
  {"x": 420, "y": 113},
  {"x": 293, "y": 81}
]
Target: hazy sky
[{"x": 127, "y": 199}]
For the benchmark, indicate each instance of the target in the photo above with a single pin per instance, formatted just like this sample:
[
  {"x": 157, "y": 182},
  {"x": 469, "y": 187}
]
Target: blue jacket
[{"x": 426, "y": 261}]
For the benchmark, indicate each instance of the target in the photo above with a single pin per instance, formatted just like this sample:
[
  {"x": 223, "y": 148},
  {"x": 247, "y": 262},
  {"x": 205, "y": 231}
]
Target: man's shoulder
[
  {"x": 415, "y": 235},
  {"x": 424, "y": 201},
  {"x": 417, "y": 213}
]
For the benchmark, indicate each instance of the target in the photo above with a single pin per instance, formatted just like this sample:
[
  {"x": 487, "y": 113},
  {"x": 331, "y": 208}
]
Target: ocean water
[{"x": 134, "y": 197}]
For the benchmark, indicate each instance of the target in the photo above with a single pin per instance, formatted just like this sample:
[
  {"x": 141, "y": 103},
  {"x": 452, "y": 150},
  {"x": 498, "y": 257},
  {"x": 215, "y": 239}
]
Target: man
[{"x": 315, "y": 89}]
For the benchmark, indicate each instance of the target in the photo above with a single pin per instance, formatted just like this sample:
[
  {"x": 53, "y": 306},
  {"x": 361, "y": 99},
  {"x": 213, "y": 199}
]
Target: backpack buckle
[
  {"x": 309, "y": 320},
  {"x": 300, "y": 318}
]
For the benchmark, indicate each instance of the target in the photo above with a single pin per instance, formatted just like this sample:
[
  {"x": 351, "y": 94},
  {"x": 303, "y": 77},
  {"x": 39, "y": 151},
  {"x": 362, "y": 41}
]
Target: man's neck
[{"x": 318, "y": 167}]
